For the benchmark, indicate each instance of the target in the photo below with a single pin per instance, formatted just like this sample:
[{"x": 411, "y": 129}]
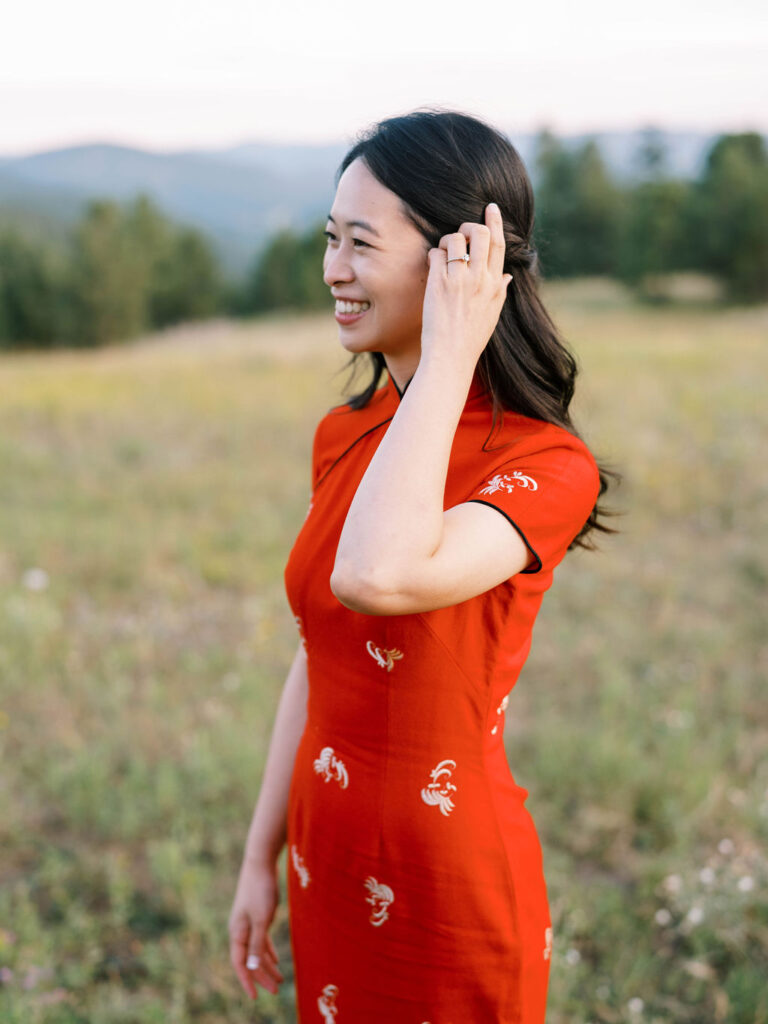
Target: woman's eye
[{"x": 332, "y": 238}]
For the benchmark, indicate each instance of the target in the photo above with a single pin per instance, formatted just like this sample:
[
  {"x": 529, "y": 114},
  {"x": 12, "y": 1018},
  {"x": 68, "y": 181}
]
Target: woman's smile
[{"x": 350, "y": 312}]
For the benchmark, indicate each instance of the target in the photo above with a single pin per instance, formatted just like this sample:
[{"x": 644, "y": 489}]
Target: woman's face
[{"x": 381, "y": 259}]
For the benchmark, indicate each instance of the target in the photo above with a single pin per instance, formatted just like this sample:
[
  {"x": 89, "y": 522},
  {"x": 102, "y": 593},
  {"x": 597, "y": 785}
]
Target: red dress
[{"x": 415, "y": 880}]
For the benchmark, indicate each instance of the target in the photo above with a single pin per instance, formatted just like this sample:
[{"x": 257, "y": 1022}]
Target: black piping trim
[
  {"x": 532, "y": 569},
  {"x": 397, "y": 389},
  {"x": 364, "y": 434}
]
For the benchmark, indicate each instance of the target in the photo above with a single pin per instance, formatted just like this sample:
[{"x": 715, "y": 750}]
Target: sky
[{"x": 173, "y": 74}]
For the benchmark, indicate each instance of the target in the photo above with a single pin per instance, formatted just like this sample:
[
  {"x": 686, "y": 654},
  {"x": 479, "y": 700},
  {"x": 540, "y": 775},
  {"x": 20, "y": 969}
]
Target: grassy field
[{"x": 150, "y": 495}]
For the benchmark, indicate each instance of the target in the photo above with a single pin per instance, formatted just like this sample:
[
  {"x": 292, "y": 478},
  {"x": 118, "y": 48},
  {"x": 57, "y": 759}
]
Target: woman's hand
[
  {"x": 254, "y": 907},
  {"x": 463, "y": 301}
]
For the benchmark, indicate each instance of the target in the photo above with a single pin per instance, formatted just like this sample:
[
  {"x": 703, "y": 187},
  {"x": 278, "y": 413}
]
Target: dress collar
[{"x": 393, "y": 394}]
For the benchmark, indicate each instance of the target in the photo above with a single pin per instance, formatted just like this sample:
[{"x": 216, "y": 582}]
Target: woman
[{"x": 415, "y": 883}]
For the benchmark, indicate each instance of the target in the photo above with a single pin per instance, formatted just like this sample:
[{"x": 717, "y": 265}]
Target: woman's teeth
[{"x": 351, "y": 307}]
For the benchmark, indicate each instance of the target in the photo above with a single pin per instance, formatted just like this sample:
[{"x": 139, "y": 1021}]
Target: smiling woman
[{"x": 441, "y": 504}]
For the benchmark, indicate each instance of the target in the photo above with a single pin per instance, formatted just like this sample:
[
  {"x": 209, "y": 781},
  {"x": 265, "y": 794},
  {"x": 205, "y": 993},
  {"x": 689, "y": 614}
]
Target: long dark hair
[{"x": 446, "y": 167}]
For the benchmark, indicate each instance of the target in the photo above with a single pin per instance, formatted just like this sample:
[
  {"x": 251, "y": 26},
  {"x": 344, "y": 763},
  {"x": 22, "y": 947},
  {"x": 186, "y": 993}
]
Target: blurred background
[{"x": 167, "y": 346}]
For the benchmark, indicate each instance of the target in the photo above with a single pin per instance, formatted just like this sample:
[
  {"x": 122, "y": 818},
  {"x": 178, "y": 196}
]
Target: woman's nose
[{"x": 337, "y": 268}]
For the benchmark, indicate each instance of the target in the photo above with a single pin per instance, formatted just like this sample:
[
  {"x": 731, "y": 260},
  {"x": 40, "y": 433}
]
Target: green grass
[{"x": 160, "y": 486}]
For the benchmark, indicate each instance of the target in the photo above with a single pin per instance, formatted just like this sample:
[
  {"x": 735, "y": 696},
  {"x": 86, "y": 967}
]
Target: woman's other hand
[
  {"x": 252, "y": 912},
  {"x": 463, "y": 301}
]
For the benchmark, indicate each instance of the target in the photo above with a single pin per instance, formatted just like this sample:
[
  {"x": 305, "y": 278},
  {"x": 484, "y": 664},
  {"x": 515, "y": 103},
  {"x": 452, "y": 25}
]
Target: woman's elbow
[{"x": 367, "y": 594}]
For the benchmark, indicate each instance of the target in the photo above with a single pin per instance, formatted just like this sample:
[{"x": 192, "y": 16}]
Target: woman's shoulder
[{"x": 515, "y": 436}]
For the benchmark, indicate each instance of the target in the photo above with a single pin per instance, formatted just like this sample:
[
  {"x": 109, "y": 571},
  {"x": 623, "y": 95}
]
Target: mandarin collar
[{"x": 394, "y": 394}]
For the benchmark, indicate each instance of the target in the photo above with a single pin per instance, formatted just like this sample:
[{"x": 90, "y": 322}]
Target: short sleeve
[{"x": 547, "y": 495}]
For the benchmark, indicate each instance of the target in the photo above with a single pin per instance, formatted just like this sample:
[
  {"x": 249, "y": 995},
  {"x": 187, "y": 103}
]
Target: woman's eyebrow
[{"x": 359, "y": 224}]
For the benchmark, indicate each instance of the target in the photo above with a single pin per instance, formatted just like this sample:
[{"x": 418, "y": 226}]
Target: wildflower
[
  {"x": 663, "y": 916},
  {"x": 707, "y": 876},
  {"x": 572, "y": 956},
  {"x": 673, "y": 883},
  {"x": 35, "y": 579},
  {"x": 695, "y": 915},
  {"x": 725, "y": 845},
  {"x": 746, "y": 883},
  {"x": 635, "y": 1005}
]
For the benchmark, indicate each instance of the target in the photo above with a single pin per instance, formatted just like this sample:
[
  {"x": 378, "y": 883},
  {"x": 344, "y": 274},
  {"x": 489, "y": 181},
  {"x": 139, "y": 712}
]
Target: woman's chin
[{"x": 354, "y": 343}]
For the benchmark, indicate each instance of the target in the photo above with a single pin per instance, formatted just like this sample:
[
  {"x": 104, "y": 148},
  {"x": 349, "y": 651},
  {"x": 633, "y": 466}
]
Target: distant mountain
[
  {"x": 237, "y": 204},
  {"x": 241, "y": 195}
]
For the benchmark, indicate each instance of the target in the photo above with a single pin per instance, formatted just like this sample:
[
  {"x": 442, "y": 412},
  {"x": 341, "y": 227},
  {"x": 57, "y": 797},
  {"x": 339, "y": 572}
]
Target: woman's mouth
[{"x": 350, "y": 312}]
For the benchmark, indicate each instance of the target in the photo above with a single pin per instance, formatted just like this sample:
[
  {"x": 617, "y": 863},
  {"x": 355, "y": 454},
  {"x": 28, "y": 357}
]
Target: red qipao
[{"x": 415, "y": 880}]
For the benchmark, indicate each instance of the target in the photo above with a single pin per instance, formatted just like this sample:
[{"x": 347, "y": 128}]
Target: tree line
[
  {"x": 128, "y": 269},
  {"x": 124, "y": 270}
]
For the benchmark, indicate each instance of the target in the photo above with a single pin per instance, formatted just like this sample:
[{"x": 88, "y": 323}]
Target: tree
[
  {"x": 288, "y": 274},
  {"x": 30, "y": 292},
  {"x": 729, "y": 215},
  {"x": 577, "y": 209},
  {"x": 651, "y": 156},
  {"x": 653, "y": 237},
  {"x": 109, "y": 277}
]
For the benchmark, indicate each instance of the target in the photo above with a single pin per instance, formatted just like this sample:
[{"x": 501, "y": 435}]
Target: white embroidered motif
[
  {"x": 385, "y": 658},
  {"x": 301, "y": 869},
  {"x": 438, "y": 791},
  {"x": 300, "y": 626},
  {"x": 331, "y": 766},
  {"x": 499, "y": 710},
  {"x": 380, "y": 897},
  {"x": 507, "y": 482},
  {"x": 326, "y": 1004},
  {"x": 547, "y": 942}
]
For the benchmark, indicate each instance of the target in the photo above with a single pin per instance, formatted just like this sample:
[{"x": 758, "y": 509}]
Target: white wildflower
[
  {"x": 707, "y": 876},
  {"x": 725, "y": 845},
  {"x": 572, "y": 956},
  {"x": 663, "y": 916},
  {"x": 673, "y": 883},
  {"x": 635, "y": 1005},
  {"x": 35, "y": 579},
  {"x": 695, "y": 915},
  {"x": 746, "y": 883}
]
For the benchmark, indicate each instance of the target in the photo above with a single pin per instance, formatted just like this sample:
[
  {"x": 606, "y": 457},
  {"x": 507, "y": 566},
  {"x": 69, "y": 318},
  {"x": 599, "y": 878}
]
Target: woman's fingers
[
  {"x": 478, "y": 236},
  {"x": 272, "y": 949},
  {"x": 497, "y": 247},
  {"x": 238, "y": 952},
  {"x": 454, "y": 246},
  {"x": 484, "y": 243},
  {"x": 261, "y": 964},
  {"x": 254, "y": 960}
]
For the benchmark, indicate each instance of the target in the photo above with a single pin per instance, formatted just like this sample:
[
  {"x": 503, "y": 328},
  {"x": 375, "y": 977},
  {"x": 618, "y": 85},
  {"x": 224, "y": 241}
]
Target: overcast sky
[{"x": 176, "y": 73}]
